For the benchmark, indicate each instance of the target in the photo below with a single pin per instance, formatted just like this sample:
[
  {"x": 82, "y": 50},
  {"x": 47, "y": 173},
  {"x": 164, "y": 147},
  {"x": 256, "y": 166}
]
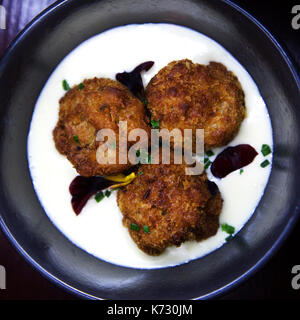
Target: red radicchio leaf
[
  {"x": 231, "y": 159},
  {"x": 133, "y": 80}
]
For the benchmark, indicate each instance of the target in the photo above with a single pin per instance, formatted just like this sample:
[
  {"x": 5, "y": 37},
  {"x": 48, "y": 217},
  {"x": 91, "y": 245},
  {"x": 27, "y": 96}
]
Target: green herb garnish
[
  {"x": 140, "y": 173},
  {"x": 229, "y": 237},
  {"x": 265, "y": 163},
  {"x": 209, "y": 153},
  {"x": 149, "y": 159},
  {"x": 205, "y": 160},
  {"x": 134, "y": 227},
  {"x": 80, "y": 86},
  {"x": 145, "y": 102},
  {"x": 207, "y": 164},
  {"x": 107, "y": 193},
  {"x": 241, "y": 171},
  {"x": 99, "y": 196},
  {"x": 146, "y": 229},
  {"x": 76, "y": 139},
  {"x": 145, "y": 157},
  {"x": 227, "y": 228},
  {"x": 155, "y": 124},
  {"x": 265, "y": 149},
  {"x": 65, "y": 85}
]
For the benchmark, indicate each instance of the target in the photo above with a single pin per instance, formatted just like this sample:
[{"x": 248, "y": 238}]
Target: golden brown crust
[
  {"x": 100, "y": 104},
  {"x": 176, "y": 207},
  {"x": 186, "y": 95}
]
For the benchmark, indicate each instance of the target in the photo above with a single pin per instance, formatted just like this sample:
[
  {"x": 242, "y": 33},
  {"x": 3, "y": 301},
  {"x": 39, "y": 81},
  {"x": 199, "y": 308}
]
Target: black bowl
[{"x": 23, "y": 72}]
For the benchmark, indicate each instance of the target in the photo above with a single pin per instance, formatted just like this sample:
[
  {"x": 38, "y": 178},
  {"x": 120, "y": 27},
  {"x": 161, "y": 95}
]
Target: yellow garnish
[
  {"x": 124, "y": 180},
  {"x": 120, "y": 185},
  {"x": 120, "y": 177}
]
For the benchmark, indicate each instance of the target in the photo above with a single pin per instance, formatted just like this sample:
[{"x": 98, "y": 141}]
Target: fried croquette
[
  {"x": 85, "y": 109},
  {"x": 186, "y": 95},
  {"x": 163, "y": 206}
]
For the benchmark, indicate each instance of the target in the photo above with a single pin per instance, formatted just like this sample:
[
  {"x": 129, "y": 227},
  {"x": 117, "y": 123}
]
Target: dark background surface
[{"x": 273, "y": 281}]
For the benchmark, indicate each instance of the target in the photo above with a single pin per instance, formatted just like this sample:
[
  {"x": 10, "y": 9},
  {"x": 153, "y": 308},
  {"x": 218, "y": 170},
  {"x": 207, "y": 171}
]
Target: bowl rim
[{"x": 220, "y": 291}]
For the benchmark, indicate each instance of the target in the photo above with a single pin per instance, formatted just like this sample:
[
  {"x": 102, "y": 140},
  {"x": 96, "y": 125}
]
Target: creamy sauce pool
[{"x": 98, "y": 229}]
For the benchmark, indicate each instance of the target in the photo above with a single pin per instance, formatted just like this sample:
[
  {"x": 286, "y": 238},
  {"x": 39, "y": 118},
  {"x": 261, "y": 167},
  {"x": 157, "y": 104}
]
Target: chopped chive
[
  {"x": 241, "y": 171},
  {"x": 80, "y": 86},
  {"x": 205, "y": 160},
  {"x": 99, "y": 196},
  {"x": 107, "y": 193},
  {"x": 145, "y": 157},
  {"x": 265, "y": 163},
  {"x": 146, "y": 229},
  {"x": 207, "y": 164},
  {"x": 227, "y": 228},
  {"x": 76, "y": 139},
  {"x": 229, "y": 237},
  {"x": 265, "y": 149},
  {"x": 155, "y": 124},
  {"x": 209, "y": 153},
  {"x": 145, "y": 102},
  {"x": 140, "y": 173},
  {"x": 134, "y": 227},
  {"x": 65, "y": 85}
]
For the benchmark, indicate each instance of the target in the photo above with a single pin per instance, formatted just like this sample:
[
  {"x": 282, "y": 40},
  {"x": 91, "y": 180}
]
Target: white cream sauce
[{"x": 98, "y": 229}]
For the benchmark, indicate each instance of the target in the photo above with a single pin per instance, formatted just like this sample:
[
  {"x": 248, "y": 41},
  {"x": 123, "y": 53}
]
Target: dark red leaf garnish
[
  {"x": 231, "y": 159},
  {"x": 133, "y": 80},
  {"x": 82, "y": 188}
]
